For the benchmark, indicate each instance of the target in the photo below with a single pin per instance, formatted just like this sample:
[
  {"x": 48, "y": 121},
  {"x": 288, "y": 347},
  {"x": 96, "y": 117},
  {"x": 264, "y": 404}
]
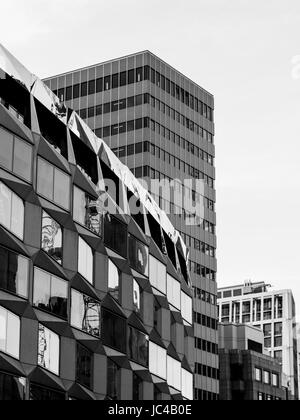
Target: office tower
[
  {"x": 245, "y": 372},
  {"x": 273, "y": 311},
  {"x": 91, "y": 306},
  {"x": 160, "y": 124}
]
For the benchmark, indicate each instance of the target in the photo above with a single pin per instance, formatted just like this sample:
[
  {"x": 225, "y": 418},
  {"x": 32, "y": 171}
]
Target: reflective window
[
  {"x": 86, "y": 212},
  {"x": 278, "y": 355},
  {"x": 186, "y": 384},
  {"x": 12, "y": 388},
  {"x": 137, "y": 388},
  {"x": 84, "y": 365},
  {"x": 157, "y": 360},
  {"x": 85, "y": 313},
  {"x": 39, "y": 393},
  {"x": 113, "y": 280},
  {"x": 114, "y": 330},
  {"x": 11, "y": 211},
  {"x": 267, "y": 377},
  {"x": 138, "y": 254},
  {"x": 50, "y": 293},
  {"x": 173, "y": 292},
  {"x": 53, "y": 184},
  {"x": 115, "y": 235},
  {"x": 9, "y": 333},
  {"x": 136, "y": 296},
  {"x": 6, "y": 152},
  {"x": 258, "y": 374},
  {"x": 48, "y": 350},
  {"x": 187, "y": 307},
  {"x": 14, "y": 272},
  {"x": 158, "y": 274},
  {"x": 113, "y": 380},
  {"x": 138, "y": 346},
  {"x": 51, "y": 237},
  {"x": 85, "y": 260},
  {"x": 174, "y": 373},
  {"x": 275, "y": 379}
]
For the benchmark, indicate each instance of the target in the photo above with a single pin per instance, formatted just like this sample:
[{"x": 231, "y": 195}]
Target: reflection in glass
[
  {"x": 13, "y": 272},
  {"x": 138, "y": 254},
  {"x": 113, "y": 380},
  {"x": 84, "y": 366},
  {"x": 85, "y": 313},
  {"x": 113, "y": 279},
  {"x": 22, "y": 159},
  {"x": 12, "y": 388},
  {"x": 48, "y": 350},
  {"x": 114, "y": 330},
  {"x": 50, "y": 293},
  {"x": 38, "y": 393},
  {"x": 158, "y": 274},
  {"x": 87, "y": 211},
  {"x": 136, "y": 296},
  {"x": 9, "y": 333},
  {"x": 85, "y": 260},
  {"x": 138, "y": 346},
  {"x": 45, "y": 178},
  {"x": 11, "y": 211},
  {"x": 51, "y": 237}
]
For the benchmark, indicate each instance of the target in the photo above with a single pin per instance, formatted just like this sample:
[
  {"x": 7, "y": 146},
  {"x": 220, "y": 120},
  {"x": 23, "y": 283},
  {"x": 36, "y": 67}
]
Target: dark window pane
[
  {"x": 92, "y": 87},
  {"x": 107, "y": 82},
  {"x": 37, "y": 393},
  {"x": 106, "y": 108},
  {"x": 146, "y": 72},
  {"x": 13, "y": 272},
  {"x": 83, "y": 90},
  {"x": 115, "y": 235},
  {"x": 99, "y": 109},
  {"x": 139, "y": 100},
  {"x": 130, "y": 76},
  {"x": 138, "y": 346},
  {"x": 91, "y": 112},
  {"x": 130, "y": 102},
  {"x": 115, "y": 80},
  {"x": 84, "y": 366},
  {"x": 123, "y": 78},
  {"x": 69, "y": 91},
  {"x": 12, "y": 388},
  {"x": 114, "y": 330},
  {"x": 130, "y": 125},
  {"x": 99, "y": 84},
  {"x": 113, "y": 380},
  {"x": 138, "y": 254},
  {"x": 139, "y": 148},
  {"x": 139, "y": 123},
  {"x": 137, "y": 388},
  {"x": 76, "y": 91},
  {"x": 139, "y": 74}
]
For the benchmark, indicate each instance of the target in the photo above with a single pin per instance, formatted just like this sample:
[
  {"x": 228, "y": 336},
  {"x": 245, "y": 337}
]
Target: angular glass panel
[
  {"x": 6, "y": 150},
  {"x": 5, "y": 206},
  {"x": 158, "y": 274},
  {"x": 85, "y": 313},
  {"x": 51, "y": 237},
  {"x": 138, "y": 254},
  {"x": 138, "y": 346},
  {"x": 38, "y": 393},
  {"x": 85, "y": 260},
  {"x": 62, "y": 189},
  {"x": 12, "y": 388},
  {"x": 13, "y": 335},
  {"x": 113, "y": 380},
  {"x": 13, "y": 272},
  {"x": 115, "y": 235},
  {"x": 114, "y": 330},
  {"x": 79, "y": 206},
  {"x": 113, "y": 280},
  {"x": 17, "y": 216},
  {"x": 22, "y": 159},
  {"x": 48, "y": 350},
  {"x": 84, "y": 366},
  {"x": 45, "y": 179},
  {"x": 3, "y": 325},
  {"x": 136, "y": 296}
]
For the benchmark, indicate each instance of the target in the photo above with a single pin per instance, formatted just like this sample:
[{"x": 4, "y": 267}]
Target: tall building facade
[
  {"x": 246, "y": 374},
  {"x": 160, "y": 124},
  {"x": 93, "y": 305},
  {"x": 274, "y": 313}
]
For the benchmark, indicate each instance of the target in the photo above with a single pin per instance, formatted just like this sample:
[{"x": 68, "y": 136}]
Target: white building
[{"x": 274, "y": 313}]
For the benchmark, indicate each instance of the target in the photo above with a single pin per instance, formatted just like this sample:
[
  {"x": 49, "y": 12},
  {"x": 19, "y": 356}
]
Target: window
[
  {"x": 138, "y": 255},
  {"x": 136, "y": 296},
  {"x": 174, "y": 373},
  {"x": 50, "y": 293},
  {"x": 85, "y": 313},
  {"x": 260, "y": 396},
  {"x": 157, "y": 360},
  {"x": 12, "y": 388},
  {"x": 113, "y": 280},
  {"x": 15, "y": 155},
  {"x": 48, "y": 350},
  {"x": 85, "y": 211},
  {"x": 9, "y": 333},
  {"x": 53, "y": 184},
  {"x": 14, "y": 272},
  {"x": 278, "y": 355},
  {"x": 138, "y": 346},
  {"x": 278, "y": 328},
  {"x": 51, "y": 237},
  {"x": 278, "y": 341},
  {"x": 84, "y": 366},
  {"x": 85, "y": 260},
  {"x": 11, "y": 211},
  {"x": 114, "y": 330},
  {"x": 187, "y": 307},
  {"x": 137, "y": 388},
  {"x": 187, "y": 384},
  {"x": 158, "y": 274},
  {"x": 267, "y": 377},
  {"x": 275, "y": 379},
  {"x": 115, "y": 235},
  {"x": 113, "y": 380},
  {"x": 173, "y": 292},
  {"x": 38, "y": 393},
  {"x": 267, "y": 328},
  {"x": 258, "y": 374}
]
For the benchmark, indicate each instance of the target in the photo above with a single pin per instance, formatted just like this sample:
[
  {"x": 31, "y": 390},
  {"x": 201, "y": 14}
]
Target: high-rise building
[
  {"x": 161, "y": 125},
  {"x": 95, "y": 298},
  {"x": 245, "y": 372},
  {"x": 273, "y": 311}
]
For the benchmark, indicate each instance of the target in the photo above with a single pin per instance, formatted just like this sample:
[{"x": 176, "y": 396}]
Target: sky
[{"x": 247, "y": 54}]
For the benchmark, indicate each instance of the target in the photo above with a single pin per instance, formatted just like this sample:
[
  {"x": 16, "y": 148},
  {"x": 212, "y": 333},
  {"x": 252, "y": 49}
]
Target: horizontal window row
[
  {"x": 192, "y": 242},
  {"x": 135, "y": 76},
  {"x": 207, "y": 371},
  {"x": 205, "y": 345},
  {"x": 267, "y": 377},
  {"x": 15, "y": 155},
  {"x": 205, "y": 296},
  {"x": 202, "y": 271},
  {"x": 261, "y": 396},
  {"x": 205, "y": 321},
  {"x": 202, "y": 395}
]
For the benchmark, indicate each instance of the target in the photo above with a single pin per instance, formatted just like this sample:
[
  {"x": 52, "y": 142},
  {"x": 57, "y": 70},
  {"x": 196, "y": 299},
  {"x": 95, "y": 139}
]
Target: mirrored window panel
[
  {"x": 11, "y": 211},
  {"x": 136, "y": 296},
  {"x": 39, "y": 393},
  {"x": 187, "y": 384},
  {"x": 85, "y": 260},
  {"x": 48, "y": 350},
  {"x": 12, "y": 388},
  {"x": 114, "y": 330},
  {"x": 85, "y": 313},
  {"x": 115, "y": 235},
  {"x": 52, "y": 237},
  {"x": 9, "y": 333},
  {"x": 138, "y": 254},
  {"x": 14, "y": 271},
  {"x": 174, "y": 292},
  {"x": 113, "y": 280},
  {"x": 157, "y": 360},
  {"x": 137, "y": 387},
  {"x": 187, "y": 308},
  {"x": 174, "y": 373},
  {"x": 50, "y": 293},
  {"x": 15, "y": 155},
  {"x": 86, "y": 211},
  {"x": 53, "y": 184},
  {"x": 138, "y": 346},
  {"x": 113, "y": 381},
  {"x": 158, "y": 275},
  {"x": 84, "y": 365}
]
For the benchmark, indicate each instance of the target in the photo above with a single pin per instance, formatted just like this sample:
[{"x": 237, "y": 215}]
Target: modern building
[
  {"x": 95, "y": 298},
  {"x": 273, "y": 312},
  {"x": 161, "y": 125},
  {"x": 245, "y": 372}
]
